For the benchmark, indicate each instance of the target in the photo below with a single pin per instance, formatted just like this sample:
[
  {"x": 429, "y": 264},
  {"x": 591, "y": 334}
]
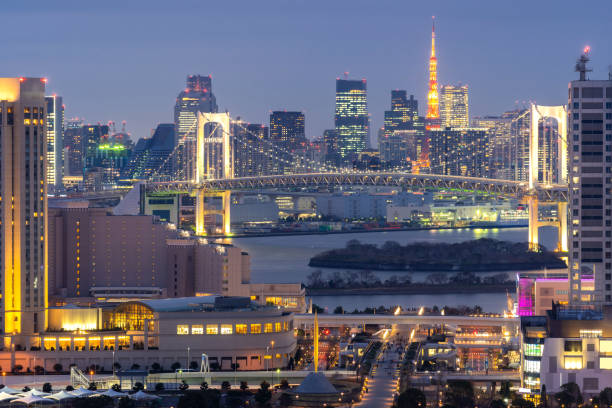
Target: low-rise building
[
  {"x": 229, "y": 330},
  {"x": 570, "y": 344}
]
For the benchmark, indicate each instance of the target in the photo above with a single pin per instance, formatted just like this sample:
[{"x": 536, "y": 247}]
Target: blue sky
[{"x": 127, "y": 60}]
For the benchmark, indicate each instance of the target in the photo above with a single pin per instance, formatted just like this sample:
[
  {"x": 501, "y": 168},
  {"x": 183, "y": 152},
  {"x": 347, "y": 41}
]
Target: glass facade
[{"x": 351, "y": 117}]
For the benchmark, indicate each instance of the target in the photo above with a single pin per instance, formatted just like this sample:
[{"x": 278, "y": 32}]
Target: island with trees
[
  {"x": 481, "y": 255},
  {"x": 368, "y": 283}
]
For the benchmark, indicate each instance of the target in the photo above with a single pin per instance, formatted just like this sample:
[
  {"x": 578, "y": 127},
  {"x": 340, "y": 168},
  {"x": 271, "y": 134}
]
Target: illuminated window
[
  {"x": 594, "y": 333},
  {"x": 605, "y": 346},
  {"x": 197, "y": 329},
  {"x": 268, "y": 328},
  {"x": 278, "y": 356},
  {"x": 572, "y": 363},
  {"x": 533, "y": 349},
  {"x": 605, "y": 363},
  {"x": 226, "y": 329},
  {"x": 212, "y": 329},
  {"x": 285, "y": 326},
  {"x": 531, "y": 366},
  {"x": 182, "y": 329},
  {"x": 277, "y": 327},
  {"x": 256, "y": 328},
  {"x": 241, "y": 329}
]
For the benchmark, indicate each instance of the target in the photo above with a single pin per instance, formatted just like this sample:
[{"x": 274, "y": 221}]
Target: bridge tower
[
  {"x": 213, "y": 161},
  {"x": 559, "y": 113}
]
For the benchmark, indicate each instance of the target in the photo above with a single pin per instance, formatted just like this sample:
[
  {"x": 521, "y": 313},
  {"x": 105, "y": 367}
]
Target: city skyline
[{"x": 123, "y": 67}]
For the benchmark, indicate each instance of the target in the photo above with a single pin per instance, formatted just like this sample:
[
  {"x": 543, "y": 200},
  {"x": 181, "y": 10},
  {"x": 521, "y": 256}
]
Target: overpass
[{"x": 337, "y": 320}]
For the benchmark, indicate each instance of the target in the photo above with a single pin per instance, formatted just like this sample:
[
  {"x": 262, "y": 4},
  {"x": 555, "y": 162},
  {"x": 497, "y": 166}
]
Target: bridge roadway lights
[
  {"x": 535, "y": 223},
  {"x": 202, "y": 211}
]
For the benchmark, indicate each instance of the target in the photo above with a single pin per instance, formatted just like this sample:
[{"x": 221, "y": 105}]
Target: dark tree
[
  {"x": 522, "y": 403},
  {"x": 497, "y": 404},
  {"x": 204, "y": 386},
  {"x": 156, "y": 367},
  {"x": 199, "y": 399},
  {"x": 98, "y": 402},
  {"x": 411, "y": 398},
  {"x": 135, "y": 366},
  {"x": 92, "y": 386},
  {"x": 605, "y": 397},
  {"x": 284, "y": 385},
  {"x": 460, "y": 394},
  {"x": 226, "y": 386},
  {"x": 47, "y": 387},
  {"x": 183, "y": 386},
  {"x": 116, "y": 387},
  {"x": 570, "y": 395},
  {"x": 175, "y": 366},
  {"x": 159, "y": 387},
  {"x": 125, "y": 402},
  {"x": 193, "y": 365},
  {"x": 264, "y": 395},
  {"x": 138, "y": 386},
  {"x": 69, "y": 388},
  {"x": 244, "y": 386}
]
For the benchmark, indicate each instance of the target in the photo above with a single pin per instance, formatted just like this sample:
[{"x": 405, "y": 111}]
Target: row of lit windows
[{"x": 238, "y": 328}]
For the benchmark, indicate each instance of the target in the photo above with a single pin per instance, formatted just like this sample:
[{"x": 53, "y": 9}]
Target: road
[{"x": 382, "y": 382}]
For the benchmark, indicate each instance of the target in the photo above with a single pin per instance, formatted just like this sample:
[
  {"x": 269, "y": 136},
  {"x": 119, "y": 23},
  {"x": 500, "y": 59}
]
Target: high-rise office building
[
  {"x": 196, "y": 97},
  {"x": 252, "y": 149},
  {"x": 73, "y": 146},
  {"x": 402, "y": 137},
  {"x": 454, "y": 110},
  {"x": 501, "y": 146},
  {"x": 287, "y": 131},
  {"x": 150, "y": 158},
  {"x": 590, "y": 202},
  {"x": 23, "y": 208},
  {"x": 55, "y": 141},
  {"x": 459, "y": 152},
  {"x": 351, "y": 118}
]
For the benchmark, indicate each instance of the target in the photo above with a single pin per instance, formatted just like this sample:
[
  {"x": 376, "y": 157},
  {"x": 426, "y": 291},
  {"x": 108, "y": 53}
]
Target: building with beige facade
[
  {"x": 23, "y": 205},
  {"x": 229, "y": 330}
]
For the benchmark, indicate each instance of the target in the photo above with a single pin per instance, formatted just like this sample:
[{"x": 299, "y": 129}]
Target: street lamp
[
  {"x": 113, "y": 363},
  {"x": 187, "y": 366}
]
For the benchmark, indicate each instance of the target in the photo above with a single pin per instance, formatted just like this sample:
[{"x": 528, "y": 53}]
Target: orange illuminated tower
[{"x": 433, "y": 110}]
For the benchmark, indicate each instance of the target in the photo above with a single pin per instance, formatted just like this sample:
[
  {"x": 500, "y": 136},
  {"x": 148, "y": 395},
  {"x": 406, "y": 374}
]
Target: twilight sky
[{"x": 128, "y": 59}]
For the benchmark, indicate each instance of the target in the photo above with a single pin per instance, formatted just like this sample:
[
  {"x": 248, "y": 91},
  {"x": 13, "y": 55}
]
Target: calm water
[{"x": 285, "y": 260}]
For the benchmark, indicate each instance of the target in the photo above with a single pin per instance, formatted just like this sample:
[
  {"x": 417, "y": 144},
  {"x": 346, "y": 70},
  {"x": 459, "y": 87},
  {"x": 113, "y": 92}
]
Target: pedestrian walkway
[{"x": 382, "y": 383}]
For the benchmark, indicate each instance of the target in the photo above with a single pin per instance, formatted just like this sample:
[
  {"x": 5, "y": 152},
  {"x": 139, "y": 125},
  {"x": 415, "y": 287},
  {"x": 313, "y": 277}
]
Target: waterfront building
[
  {"x": 233, "y": 332},
  {"x": 454, "y": 107},
  {"x": 97, "y": 256},
  {"x": 150, "y": 158},
  {"x": 537, "y": 291},
  {"x": 459, "y": 152},
  {"x": 590, "y": 140},
  {"x": 567, "y": 345},
  {"x": 23, "y": 208},
  {"x": 351, "y": 117},
  {"x": 55, "y": 141},
  {"x": 362, "y": 205},
  {"x": 196, "y": 97}
]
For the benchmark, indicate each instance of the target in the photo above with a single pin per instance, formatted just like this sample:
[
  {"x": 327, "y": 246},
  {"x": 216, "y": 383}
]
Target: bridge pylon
[
  {"x": 214, "y": 160},
  {"x": 535, "y": 223},
  {"x": 202, "y": 211}
]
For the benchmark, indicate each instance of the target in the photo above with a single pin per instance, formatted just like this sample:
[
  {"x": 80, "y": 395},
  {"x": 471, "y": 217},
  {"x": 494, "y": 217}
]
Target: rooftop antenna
[
  {"x": 346, "y": 74},
  {"x": 581, "y": 63},
  {"x": 609, "y": 72}
]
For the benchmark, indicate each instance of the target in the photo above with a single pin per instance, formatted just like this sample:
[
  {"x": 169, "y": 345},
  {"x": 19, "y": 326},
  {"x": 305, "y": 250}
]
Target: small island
[{"x": 481, "y": 255}]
